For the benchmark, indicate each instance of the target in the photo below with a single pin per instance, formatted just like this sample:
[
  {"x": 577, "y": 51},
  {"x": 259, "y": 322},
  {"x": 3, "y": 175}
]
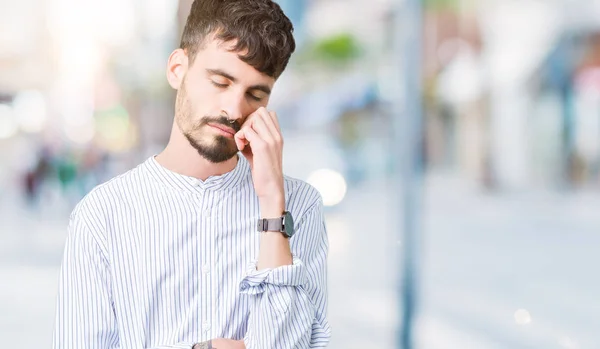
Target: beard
[
  {"x": 214, "y": 148},
  {"x": 218, "y": 150}
]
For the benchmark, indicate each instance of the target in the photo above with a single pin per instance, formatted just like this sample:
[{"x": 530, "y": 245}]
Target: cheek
[
  {"x": 202, "y": 101},
  {"x": 184, "y": 108}
]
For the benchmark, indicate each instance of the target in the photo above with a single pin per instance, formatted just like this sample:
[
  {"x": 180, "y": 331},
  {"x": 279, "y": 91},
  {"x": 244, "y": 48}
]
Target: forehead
[{"x": 217, "y": 55}]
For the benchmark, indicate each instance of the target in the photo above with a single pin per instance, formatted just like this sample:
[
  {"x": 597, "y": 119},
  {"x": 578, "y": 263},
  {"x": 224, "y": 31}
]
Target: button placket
[
  {"x": 212, "y": 214},
  {"x": 204, "y": 262},
  {"x": 208, "y": 265}
]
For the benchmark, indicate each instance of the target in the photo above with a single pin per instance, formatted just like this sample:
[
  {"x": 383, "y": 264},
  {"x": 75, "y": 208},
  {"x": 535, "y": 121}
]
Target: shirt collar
[{"x": 178, "y": 181}]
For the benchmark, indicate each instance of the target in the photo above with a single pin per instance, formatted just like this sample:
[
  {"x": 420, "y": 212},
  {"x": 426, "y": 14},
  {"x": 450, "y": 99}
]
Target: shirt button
[
  {"x": 207, "y": 213},
  {"x": 205, "y": 269},
  {"x": 206, "y": 326}
]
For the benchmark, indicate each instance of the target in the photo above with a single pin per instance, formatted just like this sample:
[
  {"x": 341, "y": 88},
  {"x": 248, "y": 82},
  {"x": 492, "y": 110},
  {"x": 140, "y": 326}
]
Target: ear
[{"x": 177, "y": 67}]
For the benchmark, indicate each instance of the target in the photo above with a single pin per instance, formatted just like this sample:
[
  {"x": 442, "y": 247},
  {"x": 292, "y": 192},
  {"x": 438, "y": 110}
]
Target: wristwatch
[
  {"x": 204, "y": 345},
  {"x": 283, "y": 224}
]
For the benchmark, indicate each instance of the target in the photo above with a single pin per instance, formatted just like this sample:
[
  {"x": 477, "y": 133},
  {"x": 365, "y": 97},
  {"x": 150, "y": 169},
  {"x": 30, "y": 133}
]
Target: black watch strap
[
  {"x": 203, "y": 345},
  {"x": 270, "y": 224}
]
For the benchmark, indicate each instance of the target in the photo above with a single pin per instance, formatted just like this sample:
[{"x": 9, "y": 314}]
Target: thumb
[
  {"x": 247, "y": 153},
  {"x": 240, "y": 140}
]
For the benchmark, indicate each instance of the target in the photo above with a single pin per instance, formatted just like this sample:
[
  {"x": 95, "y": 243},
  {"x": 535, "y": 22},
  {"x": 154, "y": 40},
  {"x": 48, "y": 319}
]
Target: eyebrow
[{"x": 259, "y": 87}]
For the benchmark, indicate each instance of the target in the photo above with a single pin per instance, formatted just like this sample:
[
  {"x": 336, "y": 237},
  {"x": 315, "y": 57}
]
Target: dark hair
[{"x": 259, "y": 26}]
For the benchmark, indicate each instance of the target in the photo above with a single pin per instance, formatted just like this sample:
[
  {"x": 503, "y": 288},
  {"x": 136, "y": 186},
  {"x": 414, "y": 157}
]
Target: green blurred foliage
[
  {"x": 334, "y": 50},
  {"x": 444, "y": 4}
]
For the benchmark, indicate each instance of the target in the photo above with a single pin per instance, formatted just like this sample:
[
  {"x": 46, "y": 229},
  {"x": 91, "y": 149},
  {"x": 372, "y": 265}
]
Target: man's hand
[{"x": 260, "y": 141}]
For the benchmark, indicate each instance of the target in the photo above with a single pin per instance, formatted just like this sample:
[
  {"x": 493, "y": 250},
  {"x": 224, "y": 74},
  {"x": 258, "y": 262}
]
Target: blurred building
[{"x": 501, "y": 111}]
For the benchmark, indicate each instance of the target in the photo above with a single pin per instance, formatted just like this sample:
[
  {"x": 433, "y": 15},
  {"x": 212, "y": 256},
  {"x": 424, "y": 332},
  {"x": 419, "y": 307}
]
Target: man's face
[{"x": 216, "y": 95}]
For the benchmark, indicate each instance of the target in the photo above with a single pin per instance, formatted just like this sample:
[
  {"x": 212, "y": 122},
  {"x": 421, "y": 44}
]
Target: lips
[{"x": 223, "y": 128}]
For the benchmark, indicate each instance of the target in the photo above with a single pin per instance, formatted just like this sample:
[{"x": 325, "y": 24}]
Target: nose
[{"x": 234, "y": 106}]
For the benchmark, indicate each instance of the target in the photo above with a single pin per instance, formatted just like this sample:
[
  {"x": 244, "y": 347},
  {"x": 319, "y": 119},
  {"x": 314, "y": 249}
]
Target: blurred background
[{"x": 506, "y": 213}]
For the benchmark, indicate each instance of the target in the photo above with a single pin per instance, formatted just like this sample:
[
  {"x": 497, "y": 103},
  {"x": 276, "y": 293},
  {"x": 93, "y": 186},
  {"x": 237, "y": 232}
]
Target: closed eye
[
  {"x": 253, "y": 97},
  {"x": 250, "y": 95},
  {"x": 218, "y": 85}
]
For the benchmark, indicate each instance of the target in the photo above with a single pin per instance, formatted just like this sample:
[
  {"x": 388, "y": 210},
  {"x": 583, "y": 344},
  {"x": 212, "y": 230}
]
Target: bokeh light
[
  {"x": 330, "y": 184},
  {"x": 522, "y": 317}
]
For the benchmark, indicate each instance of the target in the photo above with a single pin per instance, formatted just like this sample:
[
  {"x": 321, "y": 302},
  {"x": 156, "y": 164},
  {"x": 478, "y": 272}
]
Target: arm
[
  {"x": 290, "y": 301},
  {"x": 288, "y": 292},
  {"x": 85, "y": 317}
]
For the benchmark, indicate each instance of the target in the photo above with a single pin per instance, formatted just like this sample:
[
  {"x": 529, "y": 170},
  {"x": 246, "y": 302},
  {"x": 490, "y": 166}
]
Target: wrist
[{"x": 272, "y": 207}]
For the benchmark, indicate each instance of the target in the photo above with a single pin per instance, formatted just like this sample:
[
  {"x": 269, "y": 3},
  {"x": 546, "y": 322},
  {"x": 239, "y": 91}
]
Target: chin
[
  {"x": 220, "y": 149},
  {"x": 216, "y": 157}
]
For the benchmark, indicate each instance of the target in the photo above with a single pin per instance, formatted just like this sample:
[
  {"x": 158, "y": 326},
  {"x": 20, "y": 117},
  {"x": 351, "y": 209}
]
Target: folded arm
[{"x": 290, "y": 301}]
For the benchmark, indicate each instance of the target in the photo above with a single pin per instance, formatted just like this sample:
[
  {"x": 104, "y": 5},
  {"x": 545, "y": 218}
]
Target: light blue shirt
[{"x": 155, "y": 259}]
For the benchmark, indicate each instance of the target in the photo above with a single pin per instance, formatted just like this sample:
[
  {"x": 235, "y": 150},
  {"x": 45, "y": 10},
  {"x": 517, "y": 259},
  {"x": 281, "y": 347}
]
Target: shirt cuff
[{"x": 256, "y": 281}]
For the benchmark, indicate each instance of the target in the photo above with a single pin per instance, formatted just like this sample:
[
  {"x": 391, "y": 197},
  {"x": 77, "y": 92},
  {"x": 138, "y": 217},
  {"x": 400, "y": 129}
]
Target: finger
[
  {"x": 247, "y": 152},
  {"x": 252, "y": 116},
  {"x": 275, "y": 119},
  {"x": 273, "y": 123},
  {"x": 263, "y": 130},
  {"x": 253, "y": 137},
  {"x": 257, "y": 143},
  {"x": 270, "y": 119},
  {"x": 240, "y": 140}
]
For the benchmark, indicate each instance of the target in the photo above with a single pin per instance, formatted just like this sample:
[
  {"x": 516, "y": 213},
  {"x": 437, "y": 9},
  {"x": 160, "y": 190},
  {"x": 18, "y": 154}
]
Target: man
[{"x": 196, "y": 247}]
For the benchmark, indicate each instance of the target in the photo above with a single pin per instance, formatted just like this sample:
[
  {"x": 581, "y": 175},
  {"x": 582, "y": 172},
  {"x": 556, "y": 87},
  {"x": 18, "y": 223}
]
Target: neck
[{"x": 180, "y": 157}]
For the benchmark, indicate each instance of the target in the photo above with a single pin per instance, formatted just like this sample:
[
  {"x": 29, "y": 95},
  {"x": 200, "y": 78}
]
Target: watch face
[{"x": 288, "y": 222}]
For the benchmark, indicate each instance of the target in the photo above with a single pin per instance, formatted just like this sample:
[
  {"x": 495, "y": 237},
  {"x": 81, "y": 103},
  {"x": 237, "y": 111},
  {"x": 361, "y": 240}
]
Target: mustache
[{"x": 233, "y": 124}]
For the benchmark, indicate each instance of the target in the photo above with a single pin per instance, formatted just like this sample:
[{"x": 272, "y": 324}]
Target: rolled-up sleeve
[{"x": 289, "y": 303}]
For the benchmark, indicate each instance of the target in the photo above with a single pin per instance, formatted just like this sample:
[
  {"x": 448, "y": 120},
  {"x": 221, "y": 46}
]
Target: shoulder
[{"x": 104, "y": 199}]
